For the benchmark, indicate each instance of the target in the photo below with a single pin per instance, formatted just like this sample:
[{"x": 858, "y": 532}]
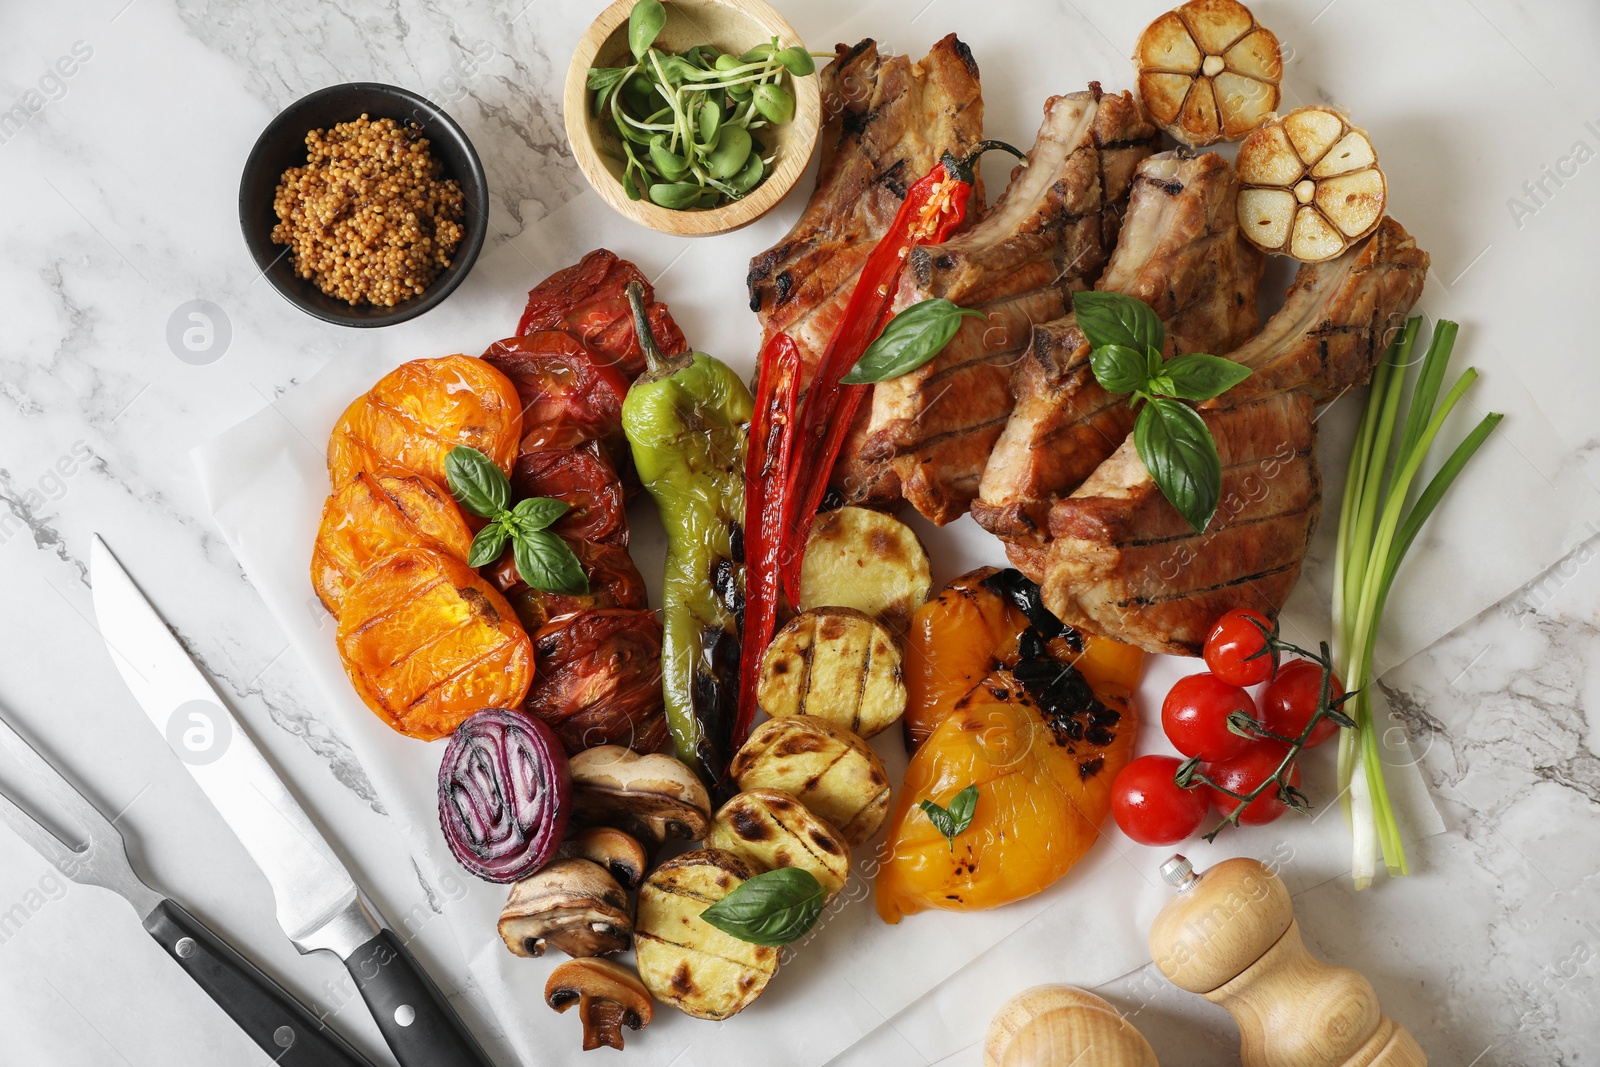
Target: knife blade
[{"x": 318, "y": 904}]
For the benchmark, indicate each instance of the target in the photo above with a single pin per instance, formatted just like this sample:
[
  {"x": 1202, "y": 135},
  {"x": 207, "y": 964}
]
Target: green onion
[{"x": 1376, "y": 527}]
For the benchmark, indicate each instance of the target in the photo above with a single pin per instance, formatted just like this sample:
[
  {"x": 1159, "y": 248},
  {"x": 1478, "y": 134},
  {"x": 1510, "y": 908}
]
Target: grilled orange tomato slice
[
  {"x": 421, "y": 410},
  {"x": 427, "y": 642},
  {"x": 376, "y": 515},
  {"x": 1034, "y": 715}
]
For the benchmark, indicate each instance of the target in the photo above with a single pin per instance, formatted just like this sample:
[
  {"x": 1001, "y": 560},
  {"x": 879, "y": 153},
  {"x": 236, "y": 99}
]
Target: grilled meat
[
  {"x": 1048, "y": 234},
  {"x": 1180, "y": 252},
  {"x": 1125, "y": 564},
  {"x": 888, "y": 122}
]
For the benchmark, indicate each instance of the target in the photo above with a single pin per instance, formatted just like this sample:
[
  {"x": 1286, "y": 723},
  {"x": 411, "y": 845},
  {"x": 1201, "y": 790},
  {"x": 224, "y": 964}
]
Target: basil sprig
[
  {"x": 954, "y": 820},
  {"x": 770, "y": 909},
  {"x": 542, "y": 559},
  {"x": 911, "y": 338},
  {"x": 1125, "y": 337}
]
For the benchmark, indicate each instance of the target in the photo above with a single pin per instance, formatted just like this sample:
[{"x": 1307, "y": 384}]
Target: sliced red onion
[{"x": 503, "y": 794}]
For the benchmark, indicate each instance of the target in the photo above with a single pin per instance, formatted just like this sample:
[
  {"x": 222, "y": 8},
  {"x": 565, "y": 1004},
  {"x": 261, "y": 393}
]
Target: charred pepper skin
[{"x": 686, "y": 421}]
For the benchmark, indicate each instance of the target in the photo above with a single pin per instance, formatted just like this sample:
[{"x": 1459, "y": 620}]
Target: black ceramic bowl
[{"x": 283, "y": 145}]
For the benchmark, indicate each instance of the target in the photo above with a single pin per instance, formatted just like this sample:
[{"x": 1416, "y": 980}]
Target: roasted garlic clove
[
  {"x": 1208, "y": 71},
  {"x": 573, "y": 904},
  {"x": 608, "y": 995},
  {"x": 1310, "y": 185}
]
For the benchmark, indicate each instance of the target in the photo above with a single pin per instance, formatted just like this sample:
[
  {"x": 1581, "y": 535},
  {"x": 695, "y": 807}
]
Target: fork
[{"x": 270, "y": 1015}]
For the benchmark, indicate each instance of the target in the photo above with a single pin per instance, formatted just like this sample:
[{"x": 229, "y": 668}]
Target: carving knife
[{"x": 318, "y": 904}]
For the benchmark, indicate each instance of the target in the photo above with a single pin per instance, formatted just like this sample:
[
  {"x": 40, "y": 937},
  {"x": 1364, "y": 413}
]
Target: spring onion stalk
[{"x": 1376, "y": 528}]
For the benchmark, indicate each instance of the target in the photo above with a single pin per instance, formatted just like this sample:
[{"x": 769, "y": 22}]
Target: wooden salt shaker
[
  {"x": 1056, "y": 1025},
  {"x": 1231, "y": 936}
]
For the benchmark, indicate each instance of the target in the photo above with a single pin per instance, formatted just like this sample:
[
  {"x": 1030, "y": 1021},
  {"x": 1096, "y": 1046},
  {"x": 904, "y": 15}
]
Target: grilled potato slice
[
  {"x": 769, "y": 829},
  {"x": 828, "y": 769},
  {"x": 867, "y": 560},
  {"x": 684, "y": 960},
  {"x": 837, "y": 664}
]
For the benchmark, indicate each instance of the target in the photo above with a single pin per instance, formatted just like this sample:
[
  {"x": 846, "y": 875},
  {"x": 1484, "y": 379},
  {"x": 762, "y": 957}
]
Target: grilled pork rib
[
  {"x": 1125, "y": 564},
  {"x": 889, "y": 121},
  {"x": 1048, "y": 234},
  {"x": 1180, "y": 252}
]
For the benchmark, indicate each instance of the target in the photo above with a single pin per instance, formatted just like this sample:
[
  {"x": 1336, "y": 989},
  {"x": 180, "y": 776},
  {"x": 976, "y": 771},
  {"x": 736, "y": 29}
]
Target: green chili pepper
[{"x": 686, "y": 420}]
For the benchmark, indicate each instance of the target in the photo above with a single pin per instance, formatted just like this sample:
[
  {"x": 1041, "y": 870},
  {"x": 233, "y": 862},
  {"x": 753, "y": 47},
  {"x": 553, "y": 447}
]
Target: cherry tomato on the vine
[
  {"x": 1243, "y": 773},
  {"x": 1195, "y": 717},
  {"x": 1233, "y": 641},
  {"x": 1290, "y": 700},
  {"x": 1151, "y": 808}
]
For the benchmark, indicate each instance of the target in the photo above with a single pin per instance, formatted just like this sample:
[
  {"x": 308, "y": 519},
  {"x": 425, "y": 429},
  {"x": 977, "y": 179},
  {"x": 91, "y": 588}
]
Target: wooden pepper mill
[
  {"x": 1231, "y": 936},
  {"x": 1057, "y": 1025}
]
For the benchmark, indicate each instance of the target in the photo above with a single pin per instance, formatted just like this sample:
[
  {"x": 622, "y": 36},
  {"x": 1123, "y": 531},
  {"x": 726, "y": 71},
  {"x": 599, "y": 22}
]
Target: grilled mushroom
[
  {"x": 573, "y": 904},
  {"x": 612, "y": 849},
  {"x": 653, "y": 797},
  {"x": 608, "y": 996}
]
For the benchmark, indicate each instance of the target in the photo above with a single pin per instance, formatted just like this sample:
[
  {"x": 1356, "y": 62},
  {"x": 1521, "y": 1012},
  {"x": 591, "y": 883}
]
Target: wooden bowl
[{"x": 732, "y": 25}]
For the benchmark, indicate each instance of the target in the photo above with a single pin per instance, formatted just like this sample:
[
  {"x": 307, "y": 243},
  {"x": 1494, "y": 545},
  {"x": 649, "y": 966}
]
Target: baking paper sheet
[{"x": 937, "y": 976}]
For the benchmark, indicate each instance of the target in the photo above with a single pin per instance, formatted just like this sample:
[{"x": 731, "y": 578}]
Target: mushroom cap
[
  {"x": 652, "y": 796},
  {"x": 573, "y": 904},
  {"x": 618, "y": 852},
  {"x": 608, "y": 995}
]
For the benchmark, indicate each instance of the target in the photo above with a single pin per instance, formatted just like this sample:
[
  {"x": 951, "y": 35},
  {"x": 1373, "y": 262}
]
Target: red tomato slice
[
  {"x": 562, "y": 384},
  {"x": 586, "y": 481},
  {"x": 589, "y": 301}
]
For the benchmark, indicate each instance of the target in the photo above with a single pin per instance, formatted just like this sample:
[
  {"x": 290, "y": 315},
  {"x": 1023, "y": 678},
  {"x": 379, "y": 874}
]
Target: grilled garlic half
[
  {"x": 1208, "y": 71},
  {"x": 1310, "y": 185}
]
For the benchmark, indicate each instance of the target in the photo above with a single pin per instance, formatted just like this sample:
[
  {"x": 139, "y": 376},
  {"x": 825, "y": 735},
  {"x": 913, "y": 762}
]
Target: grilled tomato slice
[
  {"x": 599, "y": 679},
  {"x": 562, "y": 384},
  {"x": 427, "y": 642},
  {"x": 614, "y": 582},
  {"x": 421, "y": 410},
  {"x": 589, "y": 300},
  {"x": 1037, "y": 718},
  {"x": 376, "y": 515},
  {"x": 586, "y": 481}
]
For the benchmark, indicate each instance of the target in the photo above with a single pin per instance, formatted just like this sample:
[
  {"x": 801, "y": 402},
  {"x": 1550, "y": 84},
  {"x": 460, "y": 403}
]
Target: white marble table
[{"x": 118, "y": 176}]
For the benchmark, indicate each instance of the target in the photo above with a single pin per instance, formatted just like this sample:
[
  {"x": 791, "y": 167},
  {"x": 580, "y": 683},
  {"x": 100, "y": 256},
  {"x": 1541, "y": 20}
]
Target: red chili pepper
[
  {"x": 766, "y": 498},
  {"x": 933, "y": 207}
]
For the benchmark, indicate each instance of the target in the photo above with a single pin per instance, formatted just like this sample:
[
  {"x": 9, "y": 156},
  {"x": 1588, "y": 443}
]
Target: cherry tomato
[
  {"x": 586, "y": 481},
  {"x": 560, "y": 380},
  {"x": 1151, "y": 808},
  {"x": 1233, "y": 640},
  {"x": 1195, "y": 717},
  {"x": 1290, "y": 700},
  {"x": 1243, "y": 773}
]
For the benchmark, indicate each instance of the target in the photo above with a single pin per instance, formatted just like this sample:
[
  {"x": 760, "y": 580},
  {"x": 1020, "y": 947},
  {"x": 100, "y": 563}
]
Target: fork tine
[
  {"x": 89, "y": 818},
  {"x": 43, "y": 841}
]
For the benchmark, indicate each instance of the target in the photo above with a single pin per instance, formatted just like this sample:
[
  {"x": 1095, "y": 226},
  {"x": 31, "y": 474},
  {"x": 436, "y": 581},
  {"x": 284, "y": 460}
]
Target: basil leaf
[
  {"x": 476, "y": 481},
  {"x": 488, "y": 544},
  {"x": 604, "y": 79},
  {"x": 537, "y": 512},
  {"x": 645, "y": 23},
  {"x": 770, "y": 909},
  {"x": 547, "y": 563},
  {"x": 1119, "y": 369},
  {"x": 1177, "y": 450},
  {"x": 1200, "y": 377},
  {"x": 911, "y": 338},
  {"x": 1153, "y": 361},
  {"x": 955, "y": 819},
  {"x": 1114, "y": 319}
]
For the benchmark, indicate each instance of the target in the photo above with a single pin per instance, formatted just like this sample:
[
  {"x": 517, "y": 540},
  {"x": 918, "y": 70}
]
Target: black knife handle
[
  {"x": 264, "y": 1010},
  {"x": 418, "y": 1023}
]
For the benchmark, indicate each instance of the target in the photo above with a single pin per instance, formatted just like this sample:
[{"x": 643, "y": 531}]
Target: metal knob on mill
[{"x": 1231, "y": 936}]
